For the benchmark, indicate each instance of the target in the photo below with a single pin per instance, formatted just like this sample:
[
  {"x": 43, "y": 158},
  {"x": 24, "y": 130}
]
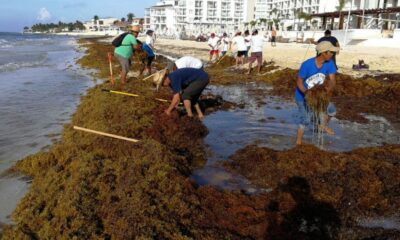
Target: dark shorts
[
  {"x": 273, "y": 39},
  {"x": 256, "y": 56},
  {"x": 148, "y": 61},
  {"x": 124, "y": 62},
  {"x": 247, "y": 52},
  {"x": 241, "y": 53},
  {"x": 194, "y": 90}
]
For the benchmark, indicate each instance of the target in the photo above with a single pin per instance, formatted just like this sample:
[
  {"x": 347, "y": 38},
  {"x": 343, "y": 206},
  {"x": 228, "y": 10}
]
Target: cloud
[{"x": 43, "y": 14}]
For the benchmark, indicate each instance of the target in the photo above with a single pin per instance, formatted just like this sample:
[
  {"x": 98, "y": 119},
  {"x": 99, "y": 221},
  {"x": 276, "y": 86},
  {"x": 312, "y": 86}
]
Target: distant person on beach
[
  {"x": 333, "y": 40},
  {"x": 187, "y": 84},
  {"x": 247, "y": 39},
  {"x": 213, "y": 43},
  {"x": 185, "y": 62},
  {"x": 257, "y": 44},
  {"x": 124, "y": 52},
  {"x": 313, "y": 72},
  {"x": 224, "y": 44},
  {"x": 148, "y": 47},
  {"x": 238, "y": 40},
  {"x": 273, "y": 37}
]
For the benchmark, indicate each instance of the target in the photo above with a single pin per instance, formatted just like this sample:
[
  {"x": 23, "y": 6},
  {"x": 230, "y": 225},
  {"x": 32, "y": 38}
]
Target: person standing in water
[{"x": 313, "y": 72}]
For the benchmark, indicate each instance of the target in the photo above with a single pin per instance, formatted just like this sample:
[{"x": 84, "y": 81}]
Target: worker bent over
[{"x": 186, "y": 84}]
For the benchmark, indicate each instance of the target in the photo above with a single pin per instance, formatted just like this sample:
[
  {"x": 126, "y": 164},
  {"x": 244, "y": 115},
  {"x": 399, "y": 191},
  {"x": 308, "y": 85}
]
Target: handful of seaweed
[{"x": 317, "y": 99}]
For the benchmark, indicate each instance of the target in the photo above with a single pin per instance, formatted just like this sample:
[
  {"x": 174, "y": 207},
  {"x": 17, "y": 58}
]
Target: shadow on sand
[{"x": 309, "y": 219}]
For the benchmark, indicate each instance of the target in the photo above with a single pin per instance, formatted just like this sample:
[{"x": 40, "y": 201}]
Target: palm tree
[
  {"x": 307, "y": 17},
  {"x": 130, "y": 17},
  {"x": 263, "y": 21},
  {"x": 296, "y": 16},
  {"x": 276, "y": 23},
  {"x": 274, "y": 11},
  {"x": 252, "y": 24},
  {"x": 340, "y": 8},
  {"x": 96, "y": 20}
]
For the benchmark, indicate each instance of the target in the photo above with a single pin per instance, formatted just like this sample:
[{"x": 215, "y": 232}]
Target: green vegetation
[{"x": 57, "y": 27}]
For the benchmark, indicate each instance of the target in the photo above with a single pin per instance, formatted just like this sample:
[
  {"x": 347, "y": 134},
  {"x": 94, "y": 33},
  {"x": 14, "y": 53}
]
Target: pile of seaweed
[
  {"x": 333, "y": 191},
  {"x": 226, "y": 72}
]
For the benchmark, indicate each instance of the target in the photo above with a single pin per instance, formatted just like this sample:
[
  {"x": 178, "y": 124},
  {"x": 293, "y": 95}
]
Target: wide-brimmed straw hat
[
  {"x": 159, "y": 77},
  {"x": 326, "y": 46},
  {"x": 135, "y": 28}
]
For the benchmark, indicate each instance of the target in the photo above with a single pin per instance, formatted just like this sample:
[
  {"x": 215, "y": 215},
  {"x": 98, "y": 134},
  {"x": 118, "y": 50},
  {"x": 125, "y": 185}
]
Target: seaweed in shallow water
[{"x": 317, "y": 102}]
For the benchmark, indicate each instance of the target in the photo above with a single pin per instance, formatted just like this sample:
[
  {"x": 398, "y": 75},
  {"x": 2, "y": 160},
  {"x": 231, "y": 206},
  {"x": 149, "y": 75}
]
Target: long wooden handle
[
  {"x": 110, "y": 63},
  {"x": 105, "y": 134}
]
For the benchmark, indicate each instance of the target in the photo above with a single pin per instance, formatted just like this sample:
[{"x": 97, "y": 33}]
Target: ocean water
[{"x": 40, "y": 87}]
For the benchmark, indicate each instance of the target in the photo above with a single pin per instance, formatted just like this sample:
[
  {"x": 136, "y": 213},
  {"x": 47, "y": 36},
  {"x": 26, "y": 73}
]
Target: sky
[{"x": 16, "y": 14}]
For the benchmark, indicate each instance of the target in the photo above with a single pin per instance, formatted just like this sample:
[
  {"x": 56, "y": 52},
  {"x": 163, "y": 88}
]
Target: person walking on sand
[
  {"x": 273, "y": 37},
  {"x": 247, "y": 39},
  {"x": 224, "y": 44},
  {"x": 328, "y": 37},
  {"x": 257, "y": 44},
  {"x": 313, "y": 72},
  {"x": 187, "y": 84},
  {"x": 238, "y": 40},
  {"x": 124, "y": 52},
  {"x": 213, "y": 42}
]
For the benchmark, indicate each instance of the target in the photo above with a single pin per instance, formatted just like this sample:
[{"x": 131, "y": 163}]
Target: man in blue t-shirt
[
  {"x": 188, "y": 84},
  {"x": 333, "y": 40},
  {"x": 313, "y": 72}
]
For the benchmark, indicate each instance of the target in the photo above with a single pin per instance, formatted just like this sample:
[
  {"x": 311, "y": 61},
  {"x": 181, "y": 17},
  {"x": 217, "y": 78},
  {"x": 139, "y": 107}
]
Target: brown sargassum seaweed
[{"x": 91, "y": 187}]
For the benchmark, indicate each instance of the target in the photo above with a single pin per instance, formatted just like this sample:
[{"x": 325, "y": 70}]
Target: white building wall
[
  {"x": 284, "y": 10},
  {"x": 194, "y": 17}
]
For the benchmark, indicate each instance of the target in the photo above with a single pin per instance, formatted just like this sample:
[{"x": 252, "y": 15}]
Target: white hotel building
[{"x": 173, "y": 17}]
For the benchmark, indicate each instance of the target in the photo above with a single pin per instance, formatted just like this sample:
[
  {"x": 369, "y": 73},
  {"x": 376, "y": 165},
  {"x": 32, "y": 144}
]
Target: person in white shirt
[
  {"x": 247, "y": 39},
  {"x": 238, "y": 40},
  {"x": 213, "y": 42},
  {"x": 185, "y": 62},
  {"x": 257, "y": 44},
  {"x": 224, "y": 44}
]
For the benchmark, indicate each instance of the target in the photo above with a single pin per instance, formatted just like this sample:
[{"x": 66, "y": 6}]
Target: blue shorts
[{"x": 304, "y": 119}]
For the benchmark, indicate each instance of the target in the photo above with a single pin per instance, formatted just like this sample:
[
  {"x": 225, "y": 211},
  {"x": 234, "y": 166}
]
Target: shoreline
[
  {"x": 87, "y": 185},
  {"x": 47, "y": 132}
]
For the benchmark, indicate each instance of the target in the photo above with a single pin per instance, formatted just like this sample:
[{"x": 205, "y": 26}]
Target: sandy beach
[{"x": 291, "y": 55}]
